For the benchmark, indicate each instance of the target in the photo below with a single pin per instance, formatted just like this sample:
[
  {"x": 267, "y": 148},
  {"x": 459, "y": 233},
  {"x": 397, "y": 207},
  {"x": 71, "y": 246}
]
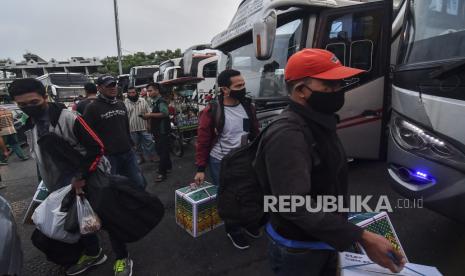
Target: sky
[{"x": 62, "y": 29}]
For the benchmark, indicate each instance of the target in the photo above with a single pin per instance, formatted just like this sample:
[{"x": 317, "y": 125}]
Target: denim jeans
[
  {"x": 302, "y": 262},
  {"x": 144, "y": 143},
  {"x": 126, "y": 164}
]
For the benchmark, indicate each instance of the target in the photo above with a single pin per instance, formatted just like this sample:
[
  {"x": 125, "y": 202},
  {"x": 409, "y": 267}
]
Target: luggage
[
  {"x": 50, "y": 220},
  {"x": 127, "y": 213}
]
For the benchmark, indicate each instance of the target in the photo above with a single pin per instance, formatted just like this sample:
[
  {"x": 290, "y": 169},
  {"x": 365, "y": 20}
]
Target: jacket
[
  {"x": 109, "y": 119},
  {"x": 211, "y": 125},
  {"x": 292, "y": 162},
  {"x": 74, "y": 131}
]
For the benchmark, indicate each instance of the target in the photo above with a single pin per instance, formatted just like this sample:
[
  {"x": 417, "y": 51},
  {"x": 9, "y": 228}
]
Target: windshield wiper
[{"x": 448, "y": 70}]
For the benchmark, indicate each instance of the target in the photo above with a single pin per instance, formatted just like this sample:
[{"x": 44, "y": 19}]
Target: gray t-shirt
[{"x": 235, "y": 131}]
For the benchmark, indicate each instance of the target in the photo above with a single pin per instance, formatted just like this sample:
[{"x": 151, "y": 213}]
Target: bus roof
[{"x": 250, "y": 11}]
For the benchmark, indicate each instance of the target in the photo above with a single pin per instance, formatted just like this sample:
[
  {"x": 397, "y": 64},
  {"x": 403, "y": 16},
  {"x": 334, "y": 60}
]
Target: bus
[
  {"x": 263, "y": 34},
  {"x": 426, "y": 148},
  {"x": 64, "y": 87},
  {"x": 169, "y": 69},
  {"x": 140, "y": 76}
]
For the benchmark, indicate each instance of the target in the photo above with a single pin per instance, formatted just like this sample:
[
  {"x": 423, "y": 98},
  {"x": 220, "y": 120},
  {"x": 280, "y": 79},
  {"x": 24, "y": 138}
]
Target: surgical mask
[
  {"x": 133, "y": 98},
  {"x": 34, "y": 111},
  {"x": 326, "y": 102},
  {"x": 237, "y": 94}
]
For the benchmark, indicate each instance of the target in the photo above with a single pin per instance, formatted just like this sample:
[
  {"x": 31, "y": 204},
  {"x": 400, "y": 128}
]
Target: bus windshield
[
  {"x": 435, "y": 31},
  {"x": 68, "y": 79},
  {"x": 265, "y": 78},
  {"x": 144, "y": 75}
]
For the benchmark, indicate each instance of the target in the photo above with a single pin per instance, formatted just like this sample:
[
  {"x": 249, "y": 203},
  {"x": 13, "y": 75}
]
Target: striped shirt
[
  {"x": 135, "y": 109},
  {"x": 7, "y": 126}
]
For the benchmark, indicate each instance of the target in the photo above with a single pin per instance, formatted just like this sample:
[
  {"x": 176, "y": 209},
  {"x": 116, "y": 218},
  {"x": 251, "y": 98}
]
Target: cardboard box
[
  {"x": 196, "y": 210},
  {"x": 352, "y": 264},
  {"x": 378, "y": 223}
]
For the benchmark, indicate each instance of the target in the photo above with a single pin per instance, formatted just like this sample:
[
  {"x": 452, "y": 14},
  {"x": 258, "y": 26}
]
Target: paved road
[{"x": 427, "y": 238}]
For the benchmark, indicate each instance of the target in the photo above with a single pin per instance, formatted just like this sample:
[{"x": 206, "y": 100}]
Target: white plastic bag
[
  {"x": 50, "y": 221},
  {"x": 88, "y": 220}
]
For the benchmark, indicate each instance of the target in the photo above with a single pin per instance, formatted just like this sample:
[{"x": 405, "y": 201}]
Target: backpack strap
[{"x": 216, "y": 112}]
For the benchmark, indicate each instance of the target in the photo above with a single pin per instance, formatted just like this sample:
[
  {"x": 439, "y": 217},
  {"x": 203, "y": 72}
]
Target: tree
[{"x": 140, "y": 58}]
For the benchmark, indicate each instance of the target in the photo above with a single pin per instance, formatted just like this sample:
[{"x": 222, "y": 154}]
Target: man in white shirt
[{"x": 143, "y": 141}]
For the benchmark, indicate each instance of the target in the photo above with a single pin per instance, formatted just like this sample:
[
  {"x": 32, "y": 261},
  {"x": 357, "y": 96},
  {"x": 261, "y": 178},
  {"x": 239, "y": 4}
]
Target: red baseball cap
[{"x": 318, "y": 64}]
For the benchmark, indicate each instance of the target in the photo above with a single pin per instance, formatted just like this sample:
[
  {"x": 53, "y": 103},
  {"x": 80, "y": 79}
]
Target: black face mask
[
  {"x": 238, "y": 94},
  {"x": 133, "y": 98},
  {"x": 34, "y": 111},
  {"x": 328, "y": 103}
]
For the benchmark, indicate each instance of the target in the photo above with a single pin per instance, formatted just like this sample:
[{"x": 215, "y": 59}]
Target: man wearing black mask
[
  {"x": 225, "y": 124},
  {"x": 143, "y": 141},
  {"x": 51, "y": 123},
  {"x": 301, "y": 155}
]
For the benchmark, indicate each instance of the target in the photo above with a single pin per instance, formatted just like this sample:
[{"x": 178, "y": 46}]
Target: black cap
[{"x": 105, "y": 80}]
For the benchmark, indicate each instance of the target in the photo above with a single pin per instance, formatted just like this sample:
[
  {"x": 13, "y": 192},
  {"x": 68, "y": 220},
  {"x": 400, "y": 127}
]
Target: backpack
[{"x": 240, "y": 195}]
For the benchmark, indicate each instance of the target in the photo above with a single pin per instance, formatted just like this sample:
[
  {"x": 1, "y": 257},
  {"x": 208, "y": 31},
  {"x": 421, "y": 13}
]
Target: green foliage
[{"x": 140, "y": 58}]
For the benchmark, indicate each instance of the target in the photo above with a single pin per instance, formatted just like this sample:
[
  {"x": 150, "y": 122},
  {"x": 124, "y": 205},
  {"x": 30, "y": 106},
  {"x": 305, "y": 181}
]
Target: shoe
[
  {"x": 239, "y": 241},
  {"x": 123, "y": 267},
  {"x": 167, "y": 171},
  {"x": 253, "y": 232},
  {"x": 2, "y": 186},
  {"x": 3, "y": 163},
  {"x": 160, "y": 178},
  {"x": 86, "y": 262},
  {"x": 140, "y": 162},
  {"x": 25, "y": 158}
]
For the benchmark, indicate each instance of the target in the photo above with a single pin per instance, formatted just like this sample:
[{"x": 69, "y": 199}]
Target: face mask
[
  {"x": 328, "y": 103},
  {"x": 34, "y": 111},
  {"x": 133, "y": 98},
  {"x": 238, "y": 94}
]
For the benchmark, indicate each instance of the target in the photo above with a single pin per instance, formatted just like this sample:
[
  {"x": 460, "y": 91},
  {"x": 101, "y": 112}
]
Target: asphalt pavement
[{"x": 427, "y": 238}]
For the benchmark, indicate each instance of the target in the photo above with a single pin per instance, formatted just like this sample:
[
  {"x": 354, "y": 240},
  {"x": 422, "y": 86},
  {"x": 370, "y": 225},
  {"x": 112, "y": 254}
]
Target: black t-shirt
[
  {"x": 81, "y": 106},
  {"x": 110, "y": 122}
]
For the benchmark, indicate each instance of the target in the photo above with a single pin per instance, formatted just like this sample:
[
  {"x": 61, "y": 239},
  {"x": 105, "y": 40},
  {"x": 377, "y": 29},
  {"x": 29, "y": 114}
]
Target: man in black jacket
[
  {"x": 108, "y": 118},
  {"x": 302, "y": 156}
]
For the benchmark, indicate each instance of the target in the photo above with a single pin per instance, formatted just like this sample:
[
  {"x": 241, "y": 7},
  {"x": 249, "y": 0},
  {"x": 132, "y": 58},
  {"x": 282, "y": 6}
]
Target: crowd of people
[{"x": 118, "y": 136}]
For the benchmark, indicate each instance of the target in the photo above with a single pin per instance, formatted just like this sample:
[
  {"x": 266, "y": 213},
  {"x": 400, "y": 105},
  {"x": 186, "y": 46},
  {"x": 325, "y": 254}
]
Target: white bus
[
  {"x": 64, "y": 87},
  {"x": 140, "y": 76},
  {"x": 264, "y": 34},
  {"x": 426, "y": 152}
]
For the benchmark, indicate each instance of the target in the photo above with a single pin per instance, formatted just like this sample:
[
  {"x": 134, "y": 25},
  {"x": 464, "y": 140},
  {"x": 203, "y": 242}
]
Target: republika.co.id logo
[{"x": 341, "y": 204}]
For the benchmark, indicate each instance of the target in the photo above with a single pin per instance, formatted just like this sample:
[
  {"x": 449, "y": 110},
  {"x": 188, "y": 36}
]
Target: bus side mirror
[
  {"x": 187, "y": 62},
  {"x": 264, "y": 33}
]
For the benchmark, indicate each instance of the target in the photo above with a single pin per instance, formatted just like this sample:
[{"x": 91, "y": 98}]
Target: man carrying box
[{"x": 302, "y": 156}]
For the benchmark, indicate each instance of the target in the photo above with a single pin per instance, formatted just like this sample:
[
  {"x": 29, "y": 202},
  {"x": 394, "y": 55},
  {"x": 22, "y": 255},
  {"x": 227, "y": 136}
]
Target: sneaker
[
  {"x": 123, "y": 267},
  {"x": 3, "y": 163},
  {"x": 239, "y": 240},
  {"x": 160, "y": 178},
  {"x": 25, "y": 158},
  {"x": 253, "y": 232},
  {"x": 86, "y": 262}
]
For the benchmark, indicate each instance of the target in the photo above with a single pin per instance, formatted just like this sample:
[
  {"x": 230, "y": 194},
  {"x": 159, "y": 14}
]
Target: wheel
[{"x": 176, "y": 145}]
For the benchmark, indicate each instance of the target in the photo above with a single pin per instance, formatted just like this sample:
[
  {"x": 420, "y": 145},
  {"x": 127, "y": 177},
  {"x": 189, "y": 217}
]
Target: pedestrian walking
[
  {"x": 302, "y": 156},
  {"x": 160, "y": 126},
  {"x": 108, "y": 117},
  {"x": 91, "y": 95},
  {"x": 8, "y": 133},
  {"x": 142, "y": 139},
  {"x": 227, "y": 123}
]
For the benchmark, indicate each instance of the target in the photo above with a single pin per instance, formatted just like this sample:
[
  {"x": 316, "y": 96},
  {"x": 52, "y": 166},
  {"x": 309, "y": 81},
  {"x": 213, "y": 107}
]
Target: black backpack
[{"x": 240, "y": 195}]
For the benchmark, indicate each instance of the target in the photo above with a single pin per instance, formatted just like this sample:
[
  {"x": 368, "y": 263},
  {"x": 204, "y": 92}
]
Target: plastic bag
[
  {"x": 88, "y": 220},
  {"x": 50, "y": 220}
]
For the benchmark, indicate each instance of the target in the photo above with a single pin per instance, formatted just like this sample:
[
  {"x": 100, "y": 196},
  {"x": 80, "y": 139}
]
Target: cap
[
  {"x": 105, "y": 80},
  {"x": 318, "y": 64}
]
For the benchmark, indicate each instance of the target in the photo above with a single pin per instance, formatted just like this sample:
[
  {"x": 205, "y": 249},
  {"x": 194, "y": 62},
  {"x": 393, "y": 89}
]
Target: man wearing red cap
[{"x": 302, "y": 156}]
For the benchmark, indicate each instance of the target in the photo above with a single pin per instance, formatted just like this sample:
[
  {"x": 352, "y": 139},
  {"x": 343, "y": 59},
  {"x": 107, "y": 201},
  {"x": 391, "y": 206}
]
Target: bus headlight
[{"x": 424, "y": 143}]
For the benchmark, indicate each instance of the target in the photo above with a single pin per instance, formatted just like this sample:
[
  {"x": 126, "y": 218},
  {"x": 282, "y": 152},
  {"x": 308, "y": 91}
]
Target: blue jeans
[
  {"x": 214, "y": 166},
  {"x": 144, "y": 143},
  {"x": 126, "y": 164},
  {"x": 302, "y": 262}
]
